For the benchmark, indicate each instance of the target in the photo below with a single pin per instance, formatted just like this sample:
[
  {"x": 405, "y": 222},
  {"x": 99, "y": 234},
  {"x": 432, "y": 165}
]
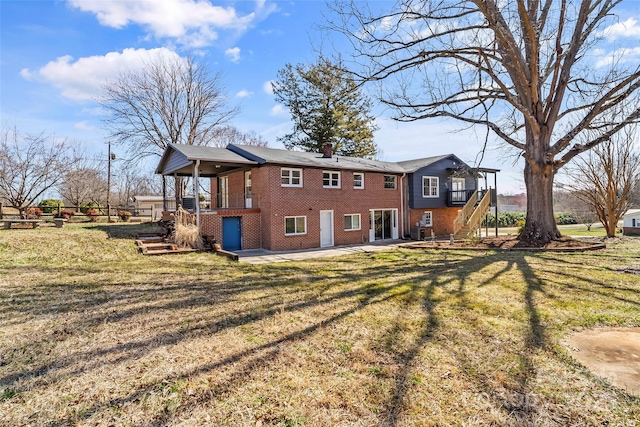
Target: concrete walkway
[{"x": 261, "y": 256}]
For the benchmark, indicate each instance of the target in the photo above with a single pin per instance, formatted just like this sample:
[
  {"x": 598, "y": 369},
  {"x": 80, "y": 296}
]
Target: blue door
[{"x": 231, "y": 233}]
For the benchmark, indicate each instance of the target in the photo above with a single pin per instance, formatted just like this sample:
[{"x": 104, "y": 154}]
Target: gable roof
[
  {"x": 414, "y": 165},
  {"x": 179, "y": 159}
]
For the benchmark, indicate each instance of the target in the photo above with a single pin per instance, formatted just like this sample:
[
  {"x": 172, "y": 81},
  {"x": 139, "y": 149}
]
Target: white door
[{"x": 326, "y": 228}]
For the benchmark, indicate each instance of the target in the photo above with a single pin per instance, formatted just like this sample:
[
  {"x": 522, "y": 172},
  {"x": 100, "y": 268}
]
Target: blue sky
[{"x": 55, "y": 55}]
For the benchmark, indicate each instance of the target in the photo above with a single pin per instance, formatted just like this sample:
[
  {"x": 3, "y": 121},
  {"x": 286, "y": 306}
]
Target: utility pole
[{"x": 111, "y": 156}]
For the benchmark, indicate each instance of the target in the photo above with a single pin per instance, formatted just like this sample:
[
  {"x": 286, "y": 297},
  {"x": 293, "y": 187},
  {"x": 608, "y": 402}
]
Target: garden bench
[
  {"x": 35, "y": 223},
  {"x": 59, "y": 222}
]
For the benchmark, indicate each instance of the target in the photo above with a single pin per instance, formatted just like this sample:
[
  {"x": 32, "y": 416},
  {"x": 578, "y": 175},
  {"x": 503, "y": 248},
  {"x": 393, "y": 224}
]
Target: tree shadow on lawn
[{"x": 260, "y": 295}]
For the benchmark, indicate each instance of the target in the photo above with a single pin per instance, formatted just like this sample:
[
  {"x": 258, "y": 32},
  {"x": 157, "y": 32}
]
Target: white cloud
[
  {"x": 190, "y": 22},
  {"x": 233, "y": 54},
  {"x": 244, "y": 94},
  {"x": 82, "y": 80},
  {"x": 620, "y": 56},
  {"x": 83, "y": 125},
  {"x": 278, "y": 110},
  {"x": 268, "y": 87},
  {"x": 628, "y": 28}
]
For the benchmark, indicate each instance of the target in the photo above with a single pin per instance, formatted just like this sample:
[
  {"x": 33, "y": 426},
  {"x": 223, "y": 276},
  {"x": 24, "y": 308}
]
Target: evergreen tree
[{"x": 326, "y": 106}]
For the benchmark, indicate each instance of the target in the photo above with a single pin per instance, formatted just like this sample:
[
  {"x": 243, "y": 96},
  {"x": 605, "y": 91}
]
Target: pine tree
[{"x": 326, "y": 106}]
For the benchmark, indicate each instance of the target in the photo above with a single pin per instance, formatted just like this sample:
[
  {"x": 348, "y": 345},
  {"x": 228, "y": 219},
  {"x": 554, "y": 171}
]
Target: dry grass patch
[{"x": 92, "y": 333}]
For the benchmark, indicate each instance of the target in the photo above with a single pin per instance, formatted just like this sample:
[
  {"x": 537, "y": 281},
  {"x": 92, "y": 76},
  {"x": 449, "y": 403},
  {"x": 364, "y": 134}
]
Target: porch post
[
  {"x": 196, "y": 186},
  {"x": 495, "y": 184},
  {"x": 164, "y": 193}
]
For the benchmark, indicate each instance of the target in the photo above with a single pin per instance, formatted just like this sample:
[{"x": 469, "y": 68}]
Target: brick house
[{"x": 285, "y": 200}]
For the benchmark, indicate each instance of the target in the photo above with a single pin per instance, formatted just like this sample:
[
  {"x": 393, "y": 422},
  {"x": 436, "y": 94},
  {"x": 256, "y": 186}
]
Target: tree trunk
[
  {"x": 611, "y": 223},
  {"x": 540, "y": 225}
]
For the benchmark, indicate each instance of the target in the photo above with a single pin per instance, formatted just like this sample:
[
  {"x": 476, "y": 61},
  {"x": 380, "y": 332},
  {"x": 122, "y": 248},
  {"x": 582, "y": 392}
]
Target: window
[
  {"x": 291, "y": 177},
  {"x": 352, "y": 222},
  {"x": 330, "y": 179},
  {"x": 633, "y": 222},
  {"x": 430, "y": 186},
  {"x": 223, "y": 181},
  {"x": 427, "y": 219},
  {"x": 295, "y": 225},
  {"x": 358, "y": 180},
  {"x": 390, "y": 182}
]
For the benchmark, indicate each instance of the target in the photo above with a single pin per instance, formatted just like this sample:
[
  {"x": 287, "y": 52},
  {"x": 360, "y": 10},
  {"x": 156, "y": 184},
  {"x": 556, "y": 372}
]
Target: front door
[
  {"x": 231, "y": 233},
  {"x": 326, "y": 229}
]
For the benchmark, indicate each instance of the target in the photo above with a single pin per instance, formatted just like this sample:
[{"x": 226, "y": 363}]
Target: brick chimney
[{"x": 327, "y": 151}]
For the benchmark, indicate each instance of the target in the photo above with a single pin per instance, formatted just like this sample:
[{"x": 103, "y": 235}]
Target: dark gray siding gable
[{"x": 444, "y": 170}]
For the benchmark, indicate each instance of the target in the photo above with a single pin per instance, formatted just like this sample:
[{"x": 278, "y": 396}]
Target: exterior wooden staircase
[{"x": 470, "y": 217}]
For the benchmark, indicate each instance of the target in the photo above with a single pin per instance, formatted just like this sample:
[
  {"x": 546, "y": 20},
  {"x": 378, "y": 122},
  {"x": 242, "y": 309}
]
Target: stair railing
[
  {"x": 464, "y": 213},
  {"x": 478, "y": 214}
]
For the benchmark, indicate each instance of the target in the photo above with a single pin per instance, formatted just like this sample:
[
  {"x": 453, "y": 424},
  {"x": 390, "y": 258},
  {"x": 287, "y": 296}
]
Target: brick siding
[
  {"x": 278, "y": 202},
  {"x": 441, "y": 220}
]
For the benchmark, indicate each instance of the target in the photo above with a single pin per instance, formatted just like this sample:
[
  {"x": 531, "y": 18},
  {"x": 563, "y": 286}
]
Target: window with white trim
[
  {"x": 358, "y": 180},
  {"x": 427, "y": 219},
  {"x": 390, "y": 182},
  {"x": 430, "y": 186},
  {"x": 352, "y": 222},
  {"x": 291, "y": 177},
  {"x": 330, "y": 179},
  {"x": 294, "y": 225}
]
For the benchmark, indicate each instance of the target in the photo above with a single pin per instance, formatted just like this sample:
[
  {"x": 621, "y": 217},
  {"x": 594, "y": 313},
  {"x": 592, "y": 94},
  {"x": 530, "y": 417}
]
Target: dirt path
[{"x": 610, "y": 353}]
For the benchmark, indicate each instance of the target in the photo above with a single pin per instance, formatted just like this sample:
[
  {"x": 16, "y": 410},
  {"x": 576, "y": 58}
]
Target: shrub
[
  {"x": 65, "y": 213},
  {"x": 563, "y": 218},
  {"x": 124, "y": 215},
  {"x": 85, "y": 207},
  {"x": 92, "y": 214},
  {"x": 505, "y": 219},
  {"x": 50, "y": 205},
  {"x": 33, "y": 213}
]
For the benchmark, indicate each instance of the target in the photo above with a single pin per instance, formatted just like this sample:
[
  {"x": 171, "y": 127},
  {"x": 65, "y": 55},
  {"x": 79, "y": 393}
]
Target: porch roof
[{"x": 179, "y": 159}]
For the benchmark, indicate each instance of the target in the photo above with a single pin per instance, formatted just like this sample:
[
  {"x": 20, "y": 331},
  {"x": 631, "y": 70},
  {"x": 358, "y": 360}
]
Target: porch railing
[
  {"x": 458, "y": 197},
  {"x": 217, "y": 202}
]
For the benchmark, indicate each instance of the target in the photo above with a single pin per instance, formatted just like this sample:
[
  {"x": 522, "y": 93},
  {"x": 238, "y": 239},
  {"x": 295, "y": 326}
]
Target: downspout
[{"x": 196, "y": 185}]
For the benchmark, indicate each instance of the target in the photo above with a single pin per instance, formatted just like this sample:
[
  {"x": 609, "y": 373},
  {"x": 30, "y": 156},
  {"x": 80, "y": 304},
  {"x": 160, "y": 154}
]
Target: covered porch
[{"x": 197, "y": 162}]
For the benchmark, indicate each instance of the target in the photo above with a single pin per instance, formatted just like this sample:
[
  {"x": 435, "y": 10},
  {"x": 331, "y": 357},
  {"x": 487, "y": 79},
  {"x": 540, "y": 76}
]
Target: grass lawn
[{"x": 91, "y": 333}]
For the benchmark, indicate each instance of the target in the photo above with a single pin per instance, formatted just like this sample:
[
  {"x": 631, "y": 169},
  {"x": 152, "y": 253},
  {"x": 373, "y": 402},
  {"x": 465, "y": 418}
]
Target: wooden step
[{"x": 169, "y": 251}]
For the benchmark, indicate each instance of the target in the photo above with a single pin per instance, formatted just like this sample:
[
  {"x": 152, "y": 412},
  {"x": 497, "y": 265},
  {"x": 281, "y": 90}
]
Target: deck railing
[{"x": 217, "y": 202}]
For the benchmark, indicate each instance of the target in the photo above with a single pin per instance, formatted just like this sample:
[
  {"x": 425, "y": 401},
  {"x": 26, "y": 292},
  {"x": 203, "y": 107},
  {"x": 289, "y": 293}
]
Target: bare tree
[
  {"x": 225, "y": 135},
  {"x": 82, "y": 185},
  {"x": 130, "y": 182},
  {"x": 30, "y": 165},
  {"x": 522, "y": 68},
  {"x": 583, "y": 212},
  {"x": 604, "y": 178},
  {"x": 170, "y": 100}
]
